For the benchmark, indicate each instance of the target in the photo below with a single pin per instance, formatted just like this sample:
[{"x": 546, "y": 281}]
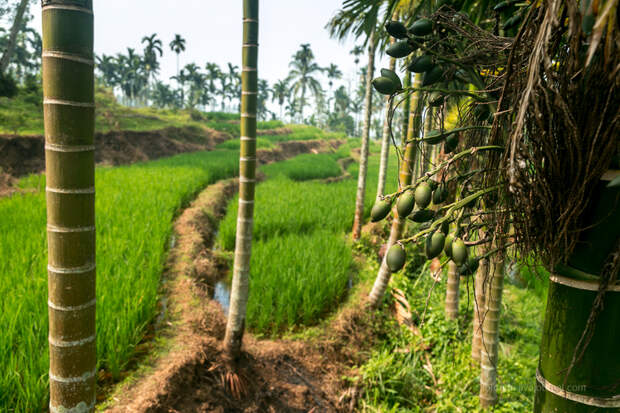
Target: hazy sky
[{"x": 213, "y": 31}]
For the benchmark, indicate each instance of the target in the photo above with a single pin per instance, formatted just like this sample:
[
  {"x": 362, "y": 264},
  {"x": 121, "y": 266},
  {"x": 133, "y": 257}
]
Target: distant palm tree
[
  {"x": 181, "y": 78},
  {"x": 333, "y": 73},
  {"x": 234, "y": 86},
  {"x": 213, "y": 73},
  {"x": 106, "y": 65},
  {"x": 151, "y": 50},
  {"x": 177, "y": 45},
  {"x": 280, "y": 93},
  {"x": 303, "y": 69},
  {"x": 263, "y": 96}
]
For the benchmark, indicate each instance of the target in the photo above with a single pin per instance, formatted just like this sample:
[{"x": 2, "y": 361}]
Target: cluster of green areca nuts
[
  {"x": 408, "y": 41},
  {"x": 414, "y": 204}
]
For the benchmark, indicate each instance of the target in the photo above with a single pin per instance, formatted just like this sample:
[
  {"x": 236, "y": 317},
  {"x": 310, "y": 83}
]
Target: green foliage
[
  {"x": 397, "y": 375},
  {"x": 135, "y": 208},
  {"x": 270, "y": 124},
  {"x": 305, "y": 167},
  {"x": 306, "y": 132}
]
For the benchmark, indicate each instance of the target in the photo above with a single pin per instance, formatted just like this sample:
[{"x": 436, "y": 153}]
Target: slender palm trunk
[
  {"x": 385, "y": 141},
  {"x": 361, "y": 179},
  {"x": 303, "y": 102},
  {"x": 425, "y": 160},
  {"x": 247, "y": 182},
  {"x": 405, "y": 178},
  {"x": 452, "y": 292},
  {"x": 479, "y": 294},
  {"x": 579, "y": 364},
  {"x": 69, "y": 114},
  {"x": 490, "y": 333},
  {"x": 17, "y": 23}
]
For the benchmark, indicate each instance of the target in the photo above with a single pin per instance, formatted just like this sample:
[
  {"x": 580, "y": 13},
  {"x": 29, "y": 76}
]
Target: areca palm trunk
[
  {"x": 452, "y": 292},
  {"x": 361, "y": 178},
  {"x": 490, "y": 333},
  {"x": 479, "y": 294},
  {"x": 385, "y": 139},
  {"x": 10, "y": 48},
  {"x": 405, "y": 178},
  {"x": 247, "y": 182},
  {"x": 579, "y": 364},
  {"x": 69, "y": 117}
]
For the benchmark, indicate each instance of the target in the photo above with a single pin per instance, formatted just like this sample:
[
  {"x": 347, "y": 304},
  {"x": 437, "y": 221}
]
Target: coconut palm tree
[
  {"x": 280, "y": 92},
  {"x": 303, "y": 68},
  {"x": 107, "y": 66},
  {"x": 69, "y": 99},
  {"x": 247, "y": 182},
  {"x": 234, "y": 86},
  {"x": 264, "y": 91},
  {"x": 359, "y": 17},
  {"x": 177, "y": 45}
]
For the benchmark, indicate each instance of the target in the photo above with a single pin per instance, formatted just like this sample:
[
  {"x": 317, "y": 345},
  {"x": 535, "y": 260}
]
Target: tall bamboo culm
[
  {"x": 358, "y": 220},
  {"x": 452, "y": 292},
  {"x": 579, "y": 365},
  {"x": 69, "y": 117},
  {"x": 490, "y": 333},
  {"x": 479, "y": 294},
  {"x": 405, "y": 178},
  {"x": 247, "y": 182}
]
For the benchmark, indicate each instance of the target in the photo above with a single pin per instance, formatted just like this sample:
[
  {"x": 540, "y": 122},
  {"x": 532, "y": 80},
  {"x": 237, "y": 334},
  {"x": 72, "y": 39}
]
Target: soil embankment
[
  {"x": 273, "y": 375},
  {"x": 22, "y": 155}
]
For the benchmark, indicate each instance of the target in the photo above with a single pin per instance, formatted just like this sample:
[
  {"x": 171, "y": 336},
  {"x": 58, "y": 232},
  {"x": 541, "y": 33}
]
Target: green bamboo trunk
[
  {"x": 490, "y": 333},
  {"x": 452, "y": 292},
  {"x": 405, "y": 178},
  {"x": 361, "y": 178},
  {"x": 247, "y": 182},
  {"x": 69, "y": 116},
  {"x": 593, "y": 384}
]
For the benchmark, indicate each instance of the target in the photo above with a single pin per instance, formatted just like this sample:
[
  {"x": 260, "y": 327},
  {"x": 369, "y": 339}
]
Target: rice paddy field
[
  {"x": 136, "y": 206},
  {"x": 301, "y": 261}
]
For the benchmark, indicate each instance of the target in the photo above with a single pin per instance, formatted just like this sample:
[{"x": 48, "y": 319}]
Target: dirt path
[{"x": 273, "y": 375}]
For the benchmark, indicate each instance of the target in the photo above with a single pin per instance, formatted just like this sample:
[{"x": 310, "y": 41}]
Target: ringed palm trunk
[
  {"x": 69, "y": 117},
  {"x": 247, "y": 182},
  {"x": 385, "y": 139},
  {"x": 592, "y": 384},
  {"x": 405, "y": 178},
  {"x": 479, "y": 294},
  {"x": 361, "y": 178},
  {"x": 452, "y": 292},
  {"x": 17, "y": 23},
  {"x": 490, "y": 333}
]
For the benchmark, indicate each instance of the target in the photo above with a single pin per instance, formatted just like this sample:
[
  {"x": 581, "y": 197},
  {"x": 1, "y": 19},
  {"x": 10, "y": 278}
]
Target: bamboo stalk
[
  {"x": 405, "y": 178},
  {"x": 573, "y": 376},
  {"x": 490, "y": 334},
  {"x": 452, "y": 292},
  {"x": 69, "y": 118},
  {"x": 247, "y": 182},
  {"x": 361, "y": 178}
]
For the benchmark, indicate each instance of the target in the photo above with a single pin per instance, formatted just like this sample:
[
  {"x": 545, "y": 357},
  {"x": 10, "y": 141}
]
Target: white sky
[{"x": 212, "y": 30}]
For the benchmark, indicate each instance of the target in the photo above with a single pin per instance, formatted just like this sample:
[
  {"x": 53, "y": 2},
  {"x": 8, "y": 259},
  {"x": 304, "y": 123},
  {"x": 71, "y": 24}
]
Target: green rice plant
[
  {"x": 305, "y": 167},
  {"x": 291, "y": 285},
  {"x": 270, "y": 124},
  {"x": 299, "y": 242},
  {"x": 305, "y": 132},
  {"x": 135, "y": 208},
  {"x": 234, "y": 144}
]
